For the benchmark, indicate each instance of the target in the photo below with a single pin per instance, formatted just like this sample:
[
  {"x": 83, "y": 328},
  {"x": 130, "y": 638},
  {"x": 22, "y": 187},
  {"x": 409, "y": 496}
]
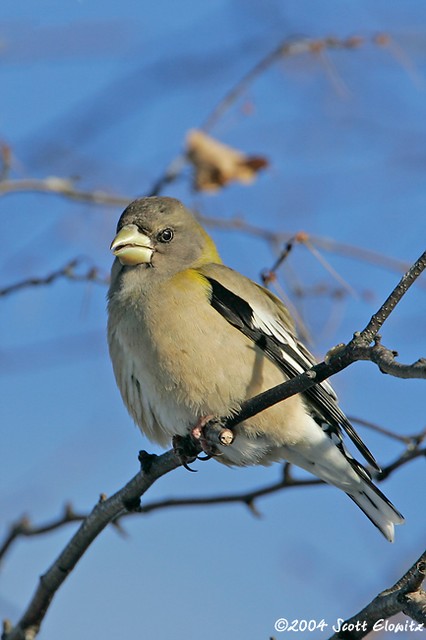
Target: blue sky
[{"x": 105, "y": 92}]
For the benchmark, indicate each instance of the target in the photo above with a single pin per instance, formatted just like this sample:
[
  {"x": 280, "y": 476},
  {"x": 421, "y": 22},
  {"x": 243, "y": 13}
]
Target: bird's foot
[
  {"x": 209, "y": 433},
  {"x": 186, "y": 450},
  {"x": 205, "y": 436}
]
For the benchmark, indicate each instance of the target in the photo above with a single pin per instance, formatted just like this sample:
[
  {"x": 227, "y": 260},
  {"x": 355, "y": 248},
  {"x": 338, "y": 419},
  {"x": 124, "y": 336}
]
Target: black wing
[{"x": 283, "y": 348}]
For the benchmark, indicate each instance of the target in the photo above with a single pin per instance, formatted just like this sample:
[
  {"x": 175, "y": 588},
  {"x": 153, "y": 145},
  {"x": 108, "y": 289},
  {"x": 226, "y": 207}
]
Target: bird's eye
[{"x": 166, "y": 235}]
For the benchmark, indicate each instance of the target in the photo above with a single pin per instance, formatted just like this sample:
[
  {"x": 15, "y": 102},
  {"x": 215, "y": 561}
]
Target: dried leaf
[{"x": 216, "y": 164}]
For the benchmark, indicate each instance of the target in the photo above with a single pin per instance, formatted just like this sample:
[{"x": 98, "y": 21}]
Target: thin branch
[
  {"x": 68, "y": 271},
  {"x": 103, "y": 513},
  {"x": 338, "y": 358},
  {"x": 404, "y": 596},
  {"x": 65, "y": 187},
  {"x": 377, "y": 320},
  {"x": 286, "y": 49},
  {"x": 385, "y": 360},
  {"x": 408, "y": 440},
  {"x": 409, "y": 455},
  {"x": 123, "y": 504},
  {"x": 359, "y": 253},
  {"x": 270, "y": 275},
  {"x": 127, "y": 498},
  {"x": 62, "y": 187},
  {"x": 24, "y": 528}
]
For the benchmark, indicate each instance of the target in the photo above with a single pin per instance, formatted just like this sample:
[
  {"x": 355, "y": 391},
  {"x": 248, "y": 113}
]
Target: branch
[
  {"x": 405, "y": 596},
  {"x": 24, "y": 528},
  {"x": 63, "y": 187},
  {"x": 407, "y": 456},
  {"x": 338, "y": 358},
  {"x": 67, "y": 271},
  {"x": 412, "y": 441},
  {"x": 127, "y": 498},
  {"x": 385, "y": 360},
  {"x": 103, "y": 513},
  {"x": 285, "y": 49}
]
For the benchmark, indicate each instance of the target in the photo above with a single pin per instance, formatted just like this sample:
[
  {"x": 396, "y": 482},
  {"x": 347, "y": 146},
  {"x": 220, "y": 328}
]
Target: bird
[{"x": 190, "y": 338}]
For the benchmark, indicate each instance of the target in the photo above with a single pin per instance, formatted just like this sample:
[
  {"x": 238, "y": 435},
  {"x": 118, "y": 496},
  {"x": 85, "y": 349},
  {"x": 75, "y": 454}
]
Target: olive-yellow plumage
[{"x": 190, "y": 337}]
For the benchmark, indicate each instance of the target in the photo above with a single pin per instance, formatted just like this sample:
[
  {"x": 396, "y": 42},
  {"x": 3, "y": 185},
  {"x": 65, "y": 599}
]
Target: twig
[
  {"x": 359, "y": 253},
  {"x": 24, "y": 528},
  {"x": 371, "y": 330},
  {"x": 408, "y": 440},
  {"x": 67, "y": 271},
  {"x": 110, "y": 509},
  {"x": 286, "y": 49},
  {"x": 407, "y": 456},
  {"x": 385, "y": 360},
  {"x": 339, "y": 358},
  {"x": 103, "y": 513},
  {"x": 269, "y": 275},
  {"x": 63, "y": 187},
  {"x": 405, "y": 596}
]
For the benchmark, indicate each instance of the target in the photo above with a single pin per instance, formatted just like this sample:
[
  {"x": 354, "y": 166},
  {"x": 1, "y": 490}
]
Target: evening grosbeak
[{"x": 190, "y": 338}]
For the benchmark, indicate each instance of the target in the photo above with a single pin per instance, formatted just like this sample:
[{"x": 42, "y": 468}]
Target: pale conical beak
[{"x": 131, "y": 246}]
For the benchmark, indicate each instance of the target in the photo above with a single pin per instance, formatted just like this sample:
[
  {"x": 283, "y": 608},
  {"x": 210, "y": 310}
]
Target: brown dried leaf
[{"x": 215, "y": 164}]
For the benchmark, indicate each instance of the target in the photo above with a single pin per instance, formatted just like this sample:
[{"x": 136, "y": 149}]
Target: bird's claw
[
  {"x": 205, "y": 436},
  {"x": 206, "y": 457},
  {"x": 184, "y": 449},
  {"x": 209, "y": 433}
]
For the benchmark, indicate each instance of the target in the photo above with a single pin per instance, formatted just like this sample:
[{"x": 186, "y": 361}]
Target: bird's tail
[
  {"x": 325, "y": 456},
  {"x": 377, "y": 508}
]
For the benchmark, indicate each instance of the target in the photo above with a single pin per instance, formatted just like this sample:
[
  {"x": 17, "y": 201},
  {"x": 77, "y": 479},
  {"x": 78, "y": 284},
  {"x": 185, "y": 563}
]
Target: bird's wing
[{"x": 267, "y": 325}]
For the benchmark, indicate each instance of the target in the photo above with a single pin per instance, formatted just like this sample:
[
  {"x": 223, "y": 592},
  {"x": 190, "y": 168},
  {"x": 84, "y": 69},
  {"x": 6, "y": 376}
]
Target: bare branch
[
  {"x": 127, "y": 498},
  {"x": 24, "y": 528},
  {"x": 62, "y": 187},
  {"x": 410, "y": 441},
  {"x": 67, "y": 271},
  {"x": 405, "y": 596},
  {"x": 103, "y": 513},
  {"x": 407, "y": 456},
  {"x": 65, "y": 187},
  {"x": 385, "y": 360},
  {"x": 378, "y": 319},
  {"x": 126, "y": 502},
  {"x": 286, "y": 49},
  {"x": 359, "y": 253},
  {"x": 338, "y": 358}
]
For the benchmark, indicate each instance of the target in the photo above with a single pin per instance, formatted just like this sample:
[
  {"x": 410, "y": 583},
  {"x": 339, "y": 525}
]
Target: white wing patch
[{"x": 271, "y": 326}]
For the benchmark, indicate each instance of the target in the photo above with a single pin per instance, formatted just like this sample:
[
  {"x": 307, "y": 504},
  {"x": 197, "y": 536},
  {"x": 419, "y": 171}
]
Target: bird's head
[{"x": 160, "y": 232}]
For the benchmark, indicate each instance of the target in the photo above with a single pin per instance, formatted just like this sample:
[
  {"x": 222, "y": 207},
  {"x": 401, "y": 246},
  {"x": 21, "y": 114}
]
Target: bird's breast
[{"x": 177, "y": 359}]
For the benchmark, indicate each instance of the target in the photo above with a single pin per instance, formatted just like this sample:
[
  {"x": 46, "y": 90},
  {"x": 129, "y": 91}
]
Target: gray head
[{"x": 158, "y": 234}]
